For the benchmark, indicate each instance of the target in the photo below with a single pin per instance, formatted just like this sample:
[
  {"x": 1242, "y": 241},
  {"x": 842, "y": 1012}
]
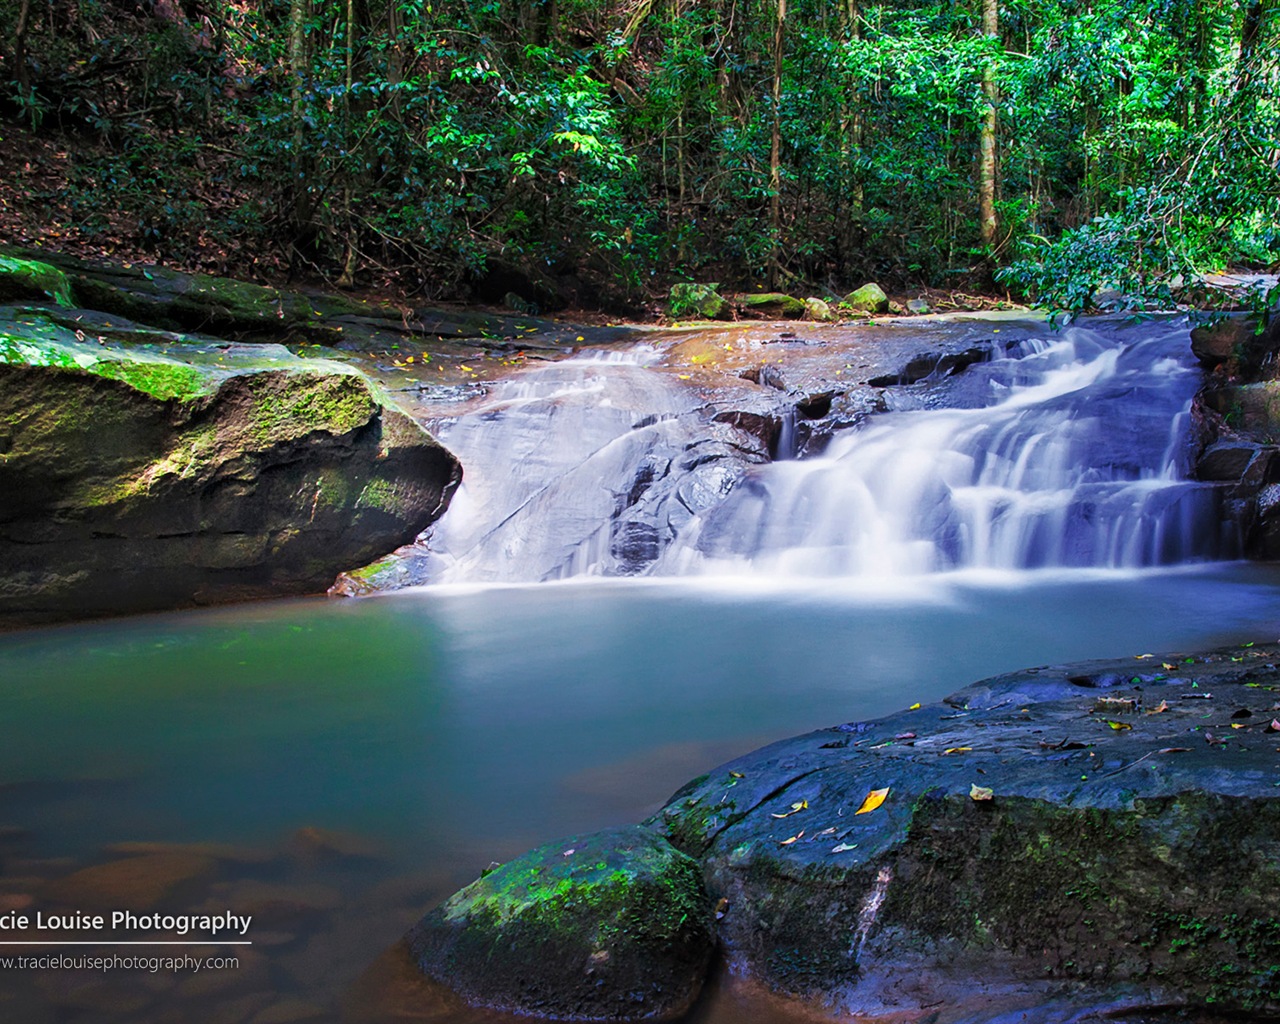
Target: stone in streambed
[
  {"x": 870, "y": 298},
  {"x": 139, "y": 884},
  {"x": 1127, "y": 850},
  {"x": 611, "y": 926},
  {"x": 773, "y": 304},
  {"x": 696, "y": 301}
]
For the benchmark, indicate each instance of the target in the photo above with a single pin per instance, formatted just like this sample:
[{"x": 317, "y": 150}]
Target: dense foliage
[{"x": 543, "y": 145}]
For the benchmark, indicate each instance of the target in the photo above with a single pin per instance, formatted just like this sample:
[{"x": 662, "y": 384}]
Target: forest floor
[{"x": 42, "y": 190}]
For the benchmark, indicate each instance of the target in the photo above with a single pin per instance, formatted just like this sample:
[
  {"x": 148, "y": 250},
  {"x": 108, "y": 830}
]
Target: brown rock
[
  {"x": 136, "y": 883},
  {"x": 288, "y": 1011}
]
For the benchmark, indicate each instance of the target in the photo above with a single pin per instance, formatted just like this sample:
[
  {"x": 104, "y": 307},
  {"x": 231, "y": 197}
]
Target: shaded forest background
[{"x": 587, "y": 152}]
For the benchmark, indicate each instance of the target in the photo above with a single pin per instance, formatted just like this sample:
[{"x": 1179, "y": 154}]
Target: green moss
[
  {"x": 774, "y": 302},
  {"x": 296, "y": 405},
  {"x": 21, "y": 279},
  {"x": 160, "y": 380},
  {"x": 383, "y": 495}
]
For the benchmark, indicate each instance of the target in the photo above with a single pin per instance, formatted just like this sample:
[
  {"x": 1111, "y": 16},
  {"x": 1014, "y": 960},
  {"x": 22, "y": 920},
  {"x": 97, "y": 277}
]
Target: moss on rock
[
  {"x": 609, "y": 926},
  {"x": 33, "y": 279},
  {"x": 132, "y": 480}
]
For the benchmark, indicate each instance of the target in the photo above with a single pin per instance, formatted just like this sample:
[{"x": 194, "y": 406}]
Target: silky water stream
[{"x": 335, "y": 768}]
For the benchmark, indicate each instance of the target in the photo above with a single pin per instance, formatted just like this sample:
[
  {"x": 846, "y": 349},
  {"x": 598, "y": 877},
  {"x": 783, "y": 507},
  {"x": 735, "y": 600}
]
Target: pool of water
[{"x": 366, "y": 758}]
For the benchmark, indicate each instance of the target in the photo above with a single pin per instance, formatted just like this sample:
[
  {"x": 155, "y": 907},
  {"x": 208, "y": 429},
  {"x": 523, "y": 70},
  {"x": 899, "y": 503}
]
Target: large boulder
[
  {"x": 141, "y": 470},
  {"x": 1048, "y": 842},
  {"x": 611, "y": 926}
]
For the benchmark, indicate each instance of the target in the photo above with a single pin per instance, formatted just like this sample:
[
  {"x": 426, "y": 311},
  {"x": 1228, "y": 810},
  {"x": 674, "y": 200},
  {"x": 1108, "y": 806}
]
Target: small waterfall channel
[{"x": 1068, "y": 450}]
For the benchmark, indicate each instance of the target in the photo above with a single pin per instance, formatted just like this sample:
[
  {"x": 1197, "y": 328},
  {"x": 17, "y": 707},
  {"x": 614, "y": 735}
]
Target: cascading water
[
  {"x": 1078, "y": 460},
  {"x": 1069, "y": 450}
]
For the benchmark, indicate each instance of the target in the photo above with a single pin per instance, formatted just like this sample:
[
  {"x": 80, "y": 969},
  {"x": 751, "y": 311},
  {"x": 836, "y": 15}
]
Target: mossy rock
[
  {"x": 1004, "y": 859},
  {"x": 691, "y": 301},
  {"x": 33, "y": 279},
  {"x": 818, "y": 310},
  {"x": 611, "y": 926},
  {"x": 773, "y": 304},
  {"x": 870, "y": 298},
  {"x": 133, "y": 479}
]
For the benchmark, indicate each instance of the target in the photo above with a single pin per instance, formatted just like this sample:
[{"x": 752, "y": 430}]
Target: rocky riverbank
[{"x": 1095, "y": 836}]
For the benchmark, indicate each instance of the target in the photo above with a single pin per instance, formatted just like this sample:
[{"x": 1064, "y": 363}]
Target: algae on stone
[{"x": 620, "y": 910}]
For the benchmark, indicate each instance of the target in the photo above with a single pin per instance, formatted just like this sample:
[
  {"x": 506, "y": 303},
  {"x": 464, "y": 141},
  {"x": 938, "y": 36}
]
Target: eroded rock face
[
  {"x": 1094, "y": 833},
  {"x": 132, "y": 480},
  {"x": 611, "y": 926}
]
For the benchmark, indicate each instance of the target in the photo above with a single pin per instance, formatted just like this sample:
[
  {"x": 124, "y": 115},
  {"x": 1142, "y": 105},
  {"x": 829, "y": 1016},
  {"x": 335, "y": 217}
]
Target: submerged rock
[
  {"x": 613, "y": 926},
  {"x": 145, "y": 474}
]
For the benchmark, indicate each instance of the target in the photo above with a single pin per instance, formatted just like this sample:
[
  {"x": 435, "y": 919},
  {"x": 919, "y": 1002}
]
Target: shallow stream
[{"x": 357, "y": 761}]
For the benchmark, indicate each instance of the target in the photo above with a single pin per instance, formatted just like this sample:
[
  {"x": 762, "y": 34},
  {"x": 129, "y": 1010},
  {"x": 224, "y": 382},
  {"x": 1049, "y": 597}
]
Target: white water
[
  {"x": 1068, "y": 452},
  {"x": 1079, "y": 460}
]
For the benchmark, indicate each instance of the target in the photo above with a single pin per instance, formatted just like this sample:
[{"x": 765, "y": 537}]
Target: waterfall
[
  {"x": 1077, "y": 459},
  {"x": 1069, "y": 450}
]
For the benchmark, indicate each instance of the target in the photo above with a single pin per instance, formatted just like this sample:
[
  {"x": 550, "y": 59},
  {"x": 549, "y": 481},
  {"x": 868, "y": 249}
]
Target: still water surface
[{"x": 451, "y": 727}]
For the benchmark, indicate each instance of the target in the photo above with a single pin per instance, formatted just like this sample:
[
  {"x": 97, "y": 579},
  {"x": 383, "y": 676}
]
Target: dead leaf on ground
[
  {"x": 795, "y": 809},
  {"x": 977, "y": 792}
]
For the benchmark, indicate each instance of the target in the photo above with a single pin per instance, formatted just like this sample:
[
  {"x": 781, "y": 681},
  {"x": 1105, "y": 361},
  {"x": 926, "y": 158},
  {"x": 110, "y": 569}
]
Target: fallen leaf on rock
[
  {"x": 977, "y": 792},
  {"x": 737, "y": 775},
  {"x": 844, "y": 847},
  {"x": 570, "y": 852},
  {"x": 1238, "y": 725},
  {"x": 1119, "y": 726},
  {"x": 1164, "y": 706},
  {"x": 1167, "y": 666},
  {"x": 874, "y": 799},
  {"x": 795, "y": 809},
  {"x": 905, "y": 736},
  {"x": 957, "y": 750},
  {"x": 788, "y": 842},
  {"x": 1140, "y": 657},
  {"x": 914, "y": 706},
  {"x": 1173, "y": 750}
]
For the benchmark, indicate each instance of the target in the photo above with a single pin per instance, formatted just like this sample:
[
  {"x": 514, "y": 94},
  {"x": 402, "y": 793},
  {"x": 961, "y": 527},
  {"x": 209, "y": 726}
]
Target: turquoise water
[{"x": 452, "y": 727}]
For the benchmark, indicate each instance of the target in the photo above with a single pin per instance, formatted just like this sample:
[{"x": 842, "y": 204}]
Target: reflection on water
[{"x": 359, "y": 761}]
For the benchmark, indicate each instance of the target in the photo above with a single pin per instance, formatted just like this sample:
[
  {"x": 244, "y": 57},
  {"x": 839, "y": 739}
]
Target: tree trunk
[
  {"x": 20, "y": 72},
  {"x": 987, "y": 134},
  {"x": 300, "y": 188},
  {"x": 775, "y": 148}
]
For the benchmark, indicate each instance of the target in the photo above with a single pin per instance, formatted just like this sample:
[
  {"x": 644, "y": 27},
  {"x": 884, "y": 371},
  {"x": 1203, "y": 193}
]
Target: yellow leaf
[
  {"x": 409, "y": 360},
  {"x": 1167, "y": 667},
  {"x": 788, "y": 842},
  {"x": 683, "y": 376},
  {"x": 913, "y": 707},
  {"x": 736, "y": 775},
  {"x": 957, "y": 750},
  {"x": 465, "y": 368},
  {"x": 1120, "y": 726},
  {"x": 795, "y": 809},
  {"x": 977, "y": 792},
  {"x": 1140, "y": 657},
  {"x": 1237, "y": 725},
  {"x": 874, "y": 799}
]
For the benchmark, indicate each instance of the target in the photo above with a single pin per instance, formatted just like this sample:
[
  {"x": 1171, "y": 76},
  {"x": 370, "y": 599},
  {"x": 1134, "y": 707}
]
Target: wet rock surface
[
  {"x": 609, "y": 926},
  {"x": 1237, "y": 419},
  {"x": 1083, "y": 836}
]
